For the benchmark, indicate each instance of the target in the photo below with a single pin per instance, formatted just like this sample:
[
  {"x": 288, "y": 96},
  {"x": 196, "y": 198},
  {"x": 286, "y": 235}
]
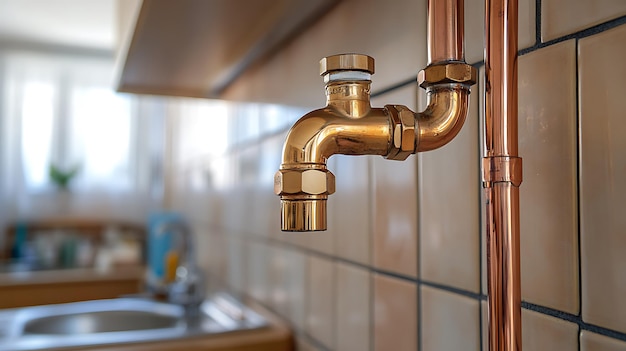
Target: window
[{"x": 62, "y": 111}]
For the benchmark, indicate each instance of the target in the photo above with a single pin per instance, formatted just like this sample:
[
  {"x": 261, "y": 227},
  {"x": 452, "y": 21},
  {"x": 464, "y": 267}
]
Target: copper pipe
[
  {"x": 502, "y": 176},
  {"x": 445, "y": 31}
]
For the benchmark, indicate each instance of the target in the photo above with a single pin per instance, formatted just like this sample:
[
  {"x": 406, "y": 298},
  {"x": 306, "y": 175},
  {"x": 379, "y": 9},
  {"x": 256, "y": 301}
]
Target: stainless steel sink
[
  {"x": 99, "y": 322},
  {"x": 118, "y": 321}
]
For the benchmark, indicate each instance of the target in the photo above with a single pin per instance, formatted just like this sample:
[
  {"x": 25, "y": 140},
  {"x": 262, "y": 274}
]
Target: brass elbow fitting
[{"x": 349, "y": 125}]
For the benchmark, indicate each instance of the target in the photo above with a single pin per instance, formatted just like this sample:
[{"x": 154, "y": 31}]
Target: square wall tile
[
  {"x": 237, "y": 265},
  {"x": 562, "y": 17},
  {"x": 258, "y": 266},
  {"x": 449, "y": 211},
  {"x": 296, "y": 285},
  {"x": 540, "y": 332},
  {"x": 350, "y": 209},
  {"x": 548, "y": 194},
  {"x": 602, "y": 172},
  {"x": 595, "y": 342},
  {"x": 400, "y": 28},
  {"x": 320, "y": 315},
  {"x": 395, "y": 314},
  {"x": 353, "y": 308},
  {"x": 449, "y": 321},
  {"x": 394, "y": 238},
  {"x": 544, "y": 333},
  {"x": 475, "y": 28},
  {"x": 277, "y": 273}
]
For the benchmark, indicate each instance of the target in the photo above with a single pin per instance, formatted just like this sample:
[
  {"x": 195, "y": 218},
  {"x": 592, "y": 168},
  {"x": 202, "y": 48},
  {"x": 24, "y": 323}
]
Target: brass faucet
[{"x": 348, "y": 125}]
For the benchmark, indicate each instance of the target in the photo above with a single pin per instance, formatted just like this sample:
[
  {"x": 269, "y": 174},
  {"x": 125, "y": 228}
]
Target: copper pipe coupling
[{"x": 449, "y": 72}]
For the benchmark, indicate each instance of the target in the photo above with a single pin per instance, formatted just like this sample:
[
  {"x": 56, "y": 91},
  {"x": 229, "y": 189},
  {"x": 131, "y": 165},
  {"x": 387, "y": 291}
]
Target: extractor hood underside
[{"x": 196, "y": 48}]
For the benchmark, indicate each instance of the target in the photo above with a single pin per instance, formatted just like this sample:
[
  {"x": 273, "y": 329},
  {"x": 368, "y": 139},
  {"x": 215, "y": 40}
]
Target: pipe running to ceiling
[{"x": 502, "y": 176}]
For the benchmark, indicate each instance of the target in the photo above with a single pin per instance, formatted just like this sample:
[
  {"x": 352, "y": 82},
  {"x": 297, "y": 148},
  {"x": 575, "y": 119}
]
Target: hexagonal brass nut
[
  {"x": 304, "y": 182},
  {"x": 452, "y": 72},
  {"x": 404, "y": 141}
]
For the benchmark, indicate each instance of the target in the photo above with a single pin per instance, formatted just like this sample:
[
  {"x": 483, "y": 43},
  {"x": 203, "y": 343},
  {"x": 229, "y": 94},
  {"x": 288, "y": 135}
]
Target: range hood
[{"x": 196, "y": 48}]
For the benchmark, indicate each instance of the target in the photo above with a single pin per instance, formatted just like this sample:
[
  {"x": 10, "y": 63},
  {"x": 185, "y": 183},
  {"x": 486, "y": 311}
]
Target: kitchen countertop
[{"x": 70, "y": 275}]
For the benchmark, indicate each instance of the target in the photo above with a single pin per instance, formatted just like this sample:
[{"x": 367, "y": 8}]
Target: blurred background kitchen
[{"x": 114, "y": 119}]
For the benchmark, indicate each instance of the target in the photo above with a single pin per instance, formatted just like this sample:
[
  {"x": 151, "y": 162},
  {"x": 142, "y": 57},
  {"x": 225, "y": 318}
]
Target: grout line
[
  {"x": 418, "y": 242},
  {"x": 538, "y": 45},
  {"x": 372, "y": 302},
  {"x": 572, "y": 318},
  {"x": 402, "y": 84},
  {"x": 578, "y": 172},
  {"x": 451, "y": 289},
  {"x": 299, "y": 333},
  {"x": 480, "y": 297},
  {"x": 371, "y": 169},
  {"x": 577, "y": 35},
  {"x": 537, "y": 22}
]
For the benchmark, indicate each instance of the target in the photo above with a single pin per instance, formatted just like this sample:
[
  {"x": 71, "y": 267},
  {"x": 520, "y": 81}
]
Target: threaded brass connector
[{"x": 451, "y": 72}]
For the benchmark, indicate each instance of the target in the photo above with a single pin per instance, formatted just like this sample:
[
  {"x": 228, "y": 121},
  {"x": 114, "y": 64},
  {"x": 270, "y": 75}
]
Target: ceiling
[{"x": 87, "y": 24}]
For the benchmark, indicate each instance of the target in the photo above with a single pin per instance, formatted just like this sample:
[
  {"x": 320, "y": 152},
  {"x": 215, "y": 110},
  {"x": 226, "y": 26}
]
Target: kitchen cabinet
[
  {"x": 60, "y": 286},
  {"x": 196, "y": 48}
]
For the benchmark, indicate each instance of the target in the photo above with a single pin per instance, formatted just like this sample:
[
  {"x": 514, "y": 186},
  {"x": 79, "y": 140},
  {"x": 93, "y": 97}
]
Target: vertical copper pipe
[
  {"x": 502, "y": 176},
  {"x": 445, "y": 31}
]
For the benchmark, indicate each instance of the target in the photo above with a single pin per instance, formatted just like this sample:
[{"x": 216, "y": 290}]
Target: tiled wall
[{"x": 402, "y": 264}]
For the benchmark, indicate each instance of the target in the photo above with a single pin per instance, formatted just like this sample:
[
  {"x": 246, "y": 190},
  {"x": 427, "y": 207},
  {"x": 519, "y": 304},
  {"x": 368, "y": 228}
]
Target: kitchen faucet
[{"x": 184, "y": 280}]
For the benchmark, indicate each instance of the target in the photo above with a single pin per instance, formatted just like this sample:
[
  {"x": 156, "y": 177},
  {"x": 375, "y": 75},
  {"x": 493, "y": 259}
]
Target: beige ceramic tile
[
  {"x": 548, "y": 195},
  {"x": 351, "y": 204},
  {"x": 595, "y": 342},
  {"x": 544, "y": 333},
  {"x": 267, "y": 205},
  {"x": 603, "y": 191},
  {"x": 449, "y": 321},
  {"x": 353, "y": 308},
  {"x": 216, "y": 268},
  {"x": 320, "y": 315},
  {"x": 449, "y": 209},
  {"x": 540, "y": 332},
  {"x": 484, "y": 321},
  {"x": 237, "y": 265},
  {"x": 370, "y": 27},
  {"x": 395, "y": 314},
  {"x": 258, "y": 267},
  {"x": 277, "y": 275},
  {"x": 395, "y": 198},
  {"x": 475, "y": 27},
  {"x": 296, "y": 280},
  {"x": 562, "y": 17}
]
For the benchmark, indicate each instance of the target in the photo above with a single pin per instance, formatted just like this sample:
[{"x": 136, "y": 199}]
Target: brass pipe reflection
[
  {"x": 502, "y": 176},
  {"x": 443, "y": 118}
]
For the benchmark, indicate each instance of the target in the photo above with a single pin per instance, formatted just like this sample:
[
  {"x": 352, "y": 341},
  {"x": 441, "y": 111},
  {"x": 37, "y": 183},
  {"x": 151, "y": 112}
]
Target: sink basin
[
  {"x": 99, "y": 322},
  {"x": 119, "y": 321}
]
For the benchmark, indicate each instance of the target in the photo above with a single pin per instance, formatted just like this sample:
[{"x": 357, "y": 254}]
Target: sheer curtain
[{"x": 61, "y": 111}]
